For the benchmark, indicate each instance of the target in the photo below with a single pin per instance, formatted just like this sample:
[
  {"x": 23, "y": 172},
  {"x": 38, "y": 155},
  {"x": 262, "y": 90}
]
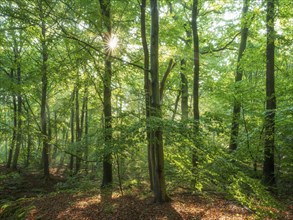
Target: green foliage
[
  {"x": 78, "y": 183},
  {"x": 217, "y": 170},
  {"x": 15, "y": 209}
]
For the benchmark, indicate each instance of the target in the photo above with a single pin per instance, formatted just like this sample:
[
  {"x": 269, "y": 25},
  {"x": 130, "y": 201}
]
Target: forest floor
[{"x": 25, "y": 195}]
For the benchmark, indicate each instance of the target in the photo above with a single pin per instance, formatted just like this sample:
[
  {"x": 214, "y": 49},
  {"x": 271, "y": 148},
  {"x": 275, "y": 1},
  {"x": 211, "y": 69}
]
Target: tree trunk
[
  {"x": 65, "y": 140},
  {"x": 29, "y": 143},
  {"x": 44, "y": 70},
  {"x": 238, "y": 77},
  {"x": 49, "y": 127},
  {"x": 269, "y": 134},
  {"x": 157, "y": 153},
  {"x": 71, "y": 163},
  {"x": 18, "y": 132},
  {"x": 184, "y": 91},
  {"x": 10, "y": 154},
  {"x": 146, "y": 87},
  {"x": 86, "y": 128},
  {"x": 107, "y": 160},
  {"x": 54, "y": 155},
  {"x": 195, "y": 79},
  {"x": 78, "y": 130},
  {"x": 19, "y": 109}
]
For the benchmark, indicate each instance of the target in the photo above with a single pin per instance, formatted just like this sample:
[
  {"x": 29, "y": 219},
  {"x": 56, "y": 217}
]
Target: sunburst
[{"x": 112, "y": 43}]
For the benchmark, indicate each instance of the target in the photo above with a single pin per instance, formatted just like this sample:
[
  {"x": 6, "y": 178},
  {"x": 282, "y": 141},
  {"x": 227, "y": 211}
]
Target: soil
[{"x": 31, "y": 197}]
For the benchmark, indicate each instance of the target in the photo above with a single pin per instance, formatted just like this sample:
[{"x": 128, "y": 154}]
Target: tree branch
[
  {"x": 221, "y": 48},
  {"x": 171, "y": 65},
  {"x": 29, "y": 109},
  {"x": 99, "y": 51}
]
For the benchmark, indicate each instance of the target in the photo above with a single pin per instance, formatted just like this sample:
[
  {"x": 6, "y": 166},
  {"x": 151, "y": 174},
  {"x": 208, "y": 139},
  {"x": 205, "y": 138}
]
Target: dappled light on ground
[
  {"x": 28, "y": 196},
  {"x": 183, "y": 206}
]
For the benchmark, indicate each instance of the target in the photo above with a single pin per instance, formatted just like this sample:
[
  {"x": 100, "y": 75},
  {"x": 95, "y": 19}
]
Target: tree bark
[
  {"x": 146, "y": 86},
  {"x": 54, "y": 155},
  {"x": 78, "y": 130},
  {"x": 12, "y": 145},
  {"x": 71, "y": 162},
  {"x": 44, "y": 71},
  {"x": 86, "y": 128},
  {"x": 269, "y": 134},
  {"x": 157, "y": 153},
  {"x": 238, "y": 77},
  {"x": 16, "y": 51},
  {"x": 18, "y": 132},
  {"x": 184, "y": 91},
  {"x": 107, "y": 160},
  {"x": 29, "y": 142},
  {"x": 195, "y": 79}
]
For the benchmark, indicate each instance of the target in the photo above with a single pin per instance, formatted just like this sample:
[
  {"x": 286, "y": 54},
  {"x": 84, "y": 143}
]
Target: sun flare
[{"x": 112, "y": 43}]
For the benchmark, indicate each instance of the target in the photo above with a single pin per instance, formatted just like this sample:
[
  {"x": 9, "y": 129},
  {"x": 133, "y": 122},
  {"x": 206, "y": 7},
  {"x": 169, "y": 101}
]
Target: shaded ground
[{"x": 40, "y": 200}]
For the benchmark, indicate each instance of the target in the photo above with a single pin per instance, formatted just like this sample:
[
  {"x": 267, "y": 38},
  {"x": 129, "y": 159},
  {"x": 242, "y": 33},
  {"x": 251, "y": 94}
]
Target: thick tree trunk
[
  {"x": 157, "y": 153},
  {"x": 238, "y": 77},
  {"x": 195, "y": 79},
  {"x": 269, "y": 135},
  {"x": 107, "y": 160}
]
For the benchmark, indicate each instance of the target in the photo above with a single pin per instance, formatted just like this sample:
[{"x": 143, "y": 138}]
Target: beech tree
[
  {"x": 269, "y": 135},
  {"x": 238, "y": 76},
  {"x": 107, "y": 161},
  {"x": 157, "y": 152},
  {"x": 195, "y": 78},
  {"x": 146, "y": 86}
]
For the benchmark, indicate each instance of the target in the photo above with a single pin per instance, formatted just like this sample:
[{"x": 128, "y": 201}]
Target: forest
[{"x": 160, "y": 109}]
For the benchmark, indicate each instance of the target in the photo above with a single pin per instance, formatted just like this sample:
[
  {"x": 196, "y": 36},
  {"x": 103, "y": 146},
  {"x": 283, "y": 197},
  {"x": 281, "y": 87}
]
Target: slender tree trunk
[
  {"x": 10, "y": 154},
  {"x": 184, "y": 91},
  {"x": 195, "y": 79},
  {"x": 78, "y": 130},
  {"x": 71, "y": 163},
  {"x": 19, "y": 111},
  {"x": 269, "y": 135},
  {"x": 157, "y": 153},
  {"x": 86, "y": 129},
  {"x": 44, "y": 71},
  {"x": 18, "y": 132},
  {"x": 107, "y": 160},
  {"x": 49, "y": 127},
  {"x": 176, "y": 105},
  {"x": 54, "y": 155},
  {"x": 184, "y": 82},
  {"x": 238, "y": 77},
  {"x": 65, "y": 140},
  {"x": 146, "y": 87},
  {"x": 29, "y": 143}
]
